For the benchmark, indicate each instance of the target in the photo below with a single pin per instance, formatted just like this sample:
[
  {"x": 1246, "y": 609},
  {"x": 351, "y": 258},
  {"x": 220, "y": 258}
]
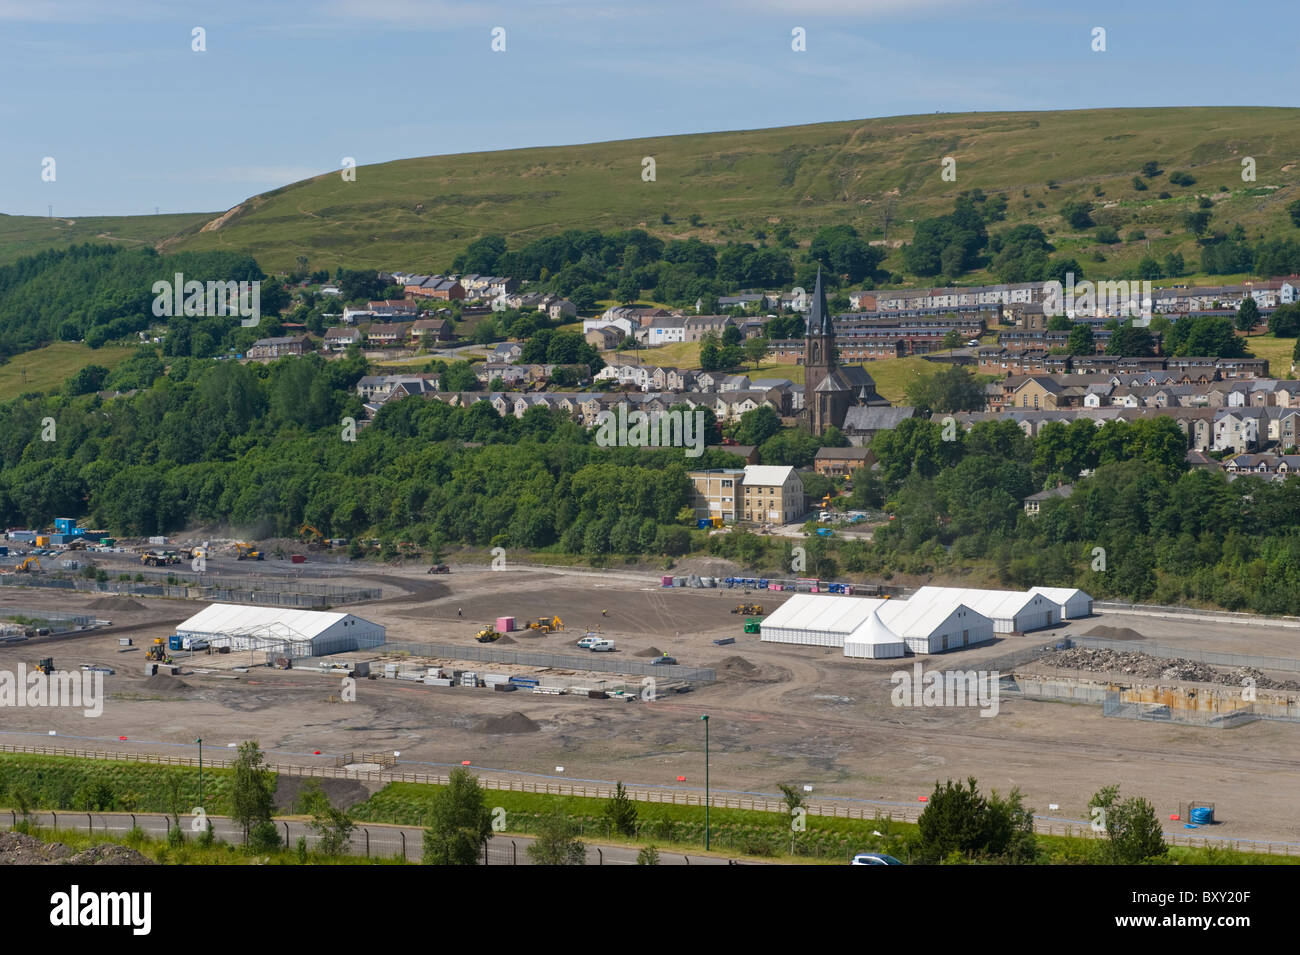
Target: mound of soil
[
  {"x": 510, "y": 723},
  {"x": 1114, "y": 633},
  {"x": 109, "y": 855},
  {"x": 341, "y": 793},
  {"x": 161, "y": 681},
  {"x": 649, "y": 652},
  {"x": 736, "y": 665},
  {"x": 119, "y": 604},
  {"x": 505, "y": 639}
]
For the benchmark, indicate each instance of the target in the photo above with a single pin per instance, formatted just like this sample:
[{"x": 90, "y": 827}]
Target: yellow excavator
[
  {"x": 314, "y": 539},
  {"x": 546, "y": 624},
  {"x": 26, "y": 566},
  {"x": 247, "y": 551}
]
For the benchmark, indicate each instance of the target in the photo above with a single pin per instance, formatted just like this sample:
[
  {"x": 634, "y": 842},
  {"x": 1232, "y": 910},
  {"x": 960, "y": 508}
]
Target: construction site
[{"x": 603, "y": 675}]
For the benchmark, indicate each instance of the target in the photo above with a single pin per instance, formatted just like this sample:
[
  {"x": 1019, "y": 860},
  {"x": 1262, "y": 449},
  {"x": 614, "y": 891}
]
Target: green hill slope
[
  {"x": 418, "y": 213},
  {"x": 23, "y": 235}
]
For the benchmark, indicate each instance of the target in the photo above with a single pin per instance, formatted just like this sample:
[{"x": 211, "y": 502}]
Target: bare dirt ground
[{"x": 778, "y": 713}]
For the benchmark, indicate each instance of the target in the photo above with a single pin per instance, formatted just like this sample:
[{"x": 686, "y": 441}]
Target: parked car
[
  {"x": 664, "y": 661},
  {"x": 98, "y": 668},
  {"x": 586, "y": 642},
  {"x": 602, "y": 646},
  {"x": 874, "y": 858}
]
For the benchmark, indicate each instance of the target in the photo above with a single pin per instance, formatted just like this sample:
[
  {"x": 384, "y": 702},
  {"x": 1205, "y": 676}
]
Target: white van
[{"x": 601, "y": 646}]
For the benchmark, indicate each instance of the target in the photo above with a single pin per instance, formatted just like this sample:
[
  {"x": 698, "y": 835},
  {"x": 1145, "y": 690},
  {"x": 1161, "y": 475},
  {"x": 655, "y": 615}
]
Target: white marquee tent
[
  {"x": 817, "y": 621},
  {"x": 282, "y": 630},
  {"x": 1073, "y": 603},
  {"x": 936, "y": 626},
  {"x": 1012, "y": 611},
  {"x": 873, "y": 640}
]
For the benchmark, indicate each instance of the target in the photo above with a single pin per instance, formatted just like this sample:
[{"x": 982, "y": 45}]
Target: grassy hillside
[
  {"x": 418, "y": 213},
  {"x": 22, "y": 235},
  {"x": 45, "y": 369}
]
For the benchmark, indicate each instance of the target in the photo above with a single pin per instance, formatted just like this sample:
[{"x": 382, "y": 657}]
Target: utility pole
[{"x": 705, "y": 717}]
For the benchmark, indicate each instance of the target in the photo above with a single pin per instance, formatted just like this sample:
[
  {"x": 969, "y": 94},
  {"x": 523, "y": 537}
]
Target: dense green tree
[{"x": 460, "y": 823}]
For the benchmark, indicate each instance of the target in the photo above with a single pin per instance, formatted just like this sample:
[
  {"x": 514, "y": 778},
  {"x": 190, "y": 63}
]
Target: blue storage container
[{"x": 1202, "y": 815}]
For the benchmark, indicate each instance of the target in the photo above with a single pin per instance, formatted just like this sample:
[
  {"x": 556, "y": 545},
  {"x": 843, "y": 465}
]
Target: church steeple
[{"x": 819, "y": 319}]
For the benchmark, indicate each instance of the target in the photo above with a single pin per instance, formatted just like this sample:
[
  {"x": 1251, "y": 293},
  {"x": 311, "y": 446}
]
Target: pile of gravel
[{"x": 514, "y": 722}]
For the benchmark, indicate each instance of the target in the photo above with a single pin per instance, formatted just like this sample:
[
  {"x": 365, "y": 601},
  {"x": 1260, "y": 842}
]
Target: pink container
[
  {"x": 505, "y": 624},
  {"x": 665, "y": 581}
]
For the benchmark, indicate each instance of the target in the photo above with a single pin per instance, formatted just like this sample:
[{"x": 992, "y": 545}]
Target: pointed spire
[{"x": 819, "y": 321}]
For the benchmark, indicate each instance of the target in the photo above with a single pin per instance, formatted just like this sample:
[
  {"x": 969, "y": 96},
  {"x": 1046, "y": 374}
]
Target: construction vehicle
[
  {"x": 753, "y": 625},
  {"x": 487, "y": 635},
  {"x": 26, "y": 566},
  {"x": 546, "y": 624},
  {"x": 439, "y": 569},
  {"x": 247, "y": 551},
  {"x": 46, "y": 665},
  {"x": 157, "y": 651},
  {"x": 749, "y": 610},
  {"x": 159, "y": 558},
  {"x": 314, "y": 538}
]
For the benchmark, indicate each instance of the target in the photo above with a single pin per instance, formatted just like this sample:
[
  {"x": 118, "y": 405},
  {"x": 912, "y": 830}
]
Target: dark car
[{"x": 664, "y": 661}]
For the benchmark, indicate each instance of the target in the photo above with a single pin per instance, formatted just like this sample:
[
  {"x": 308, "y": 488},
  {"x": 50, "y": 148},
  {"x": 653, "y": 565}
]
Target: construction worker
[
  {"x": 604, "y": 613},
  {"x": 459, "y": 612}
]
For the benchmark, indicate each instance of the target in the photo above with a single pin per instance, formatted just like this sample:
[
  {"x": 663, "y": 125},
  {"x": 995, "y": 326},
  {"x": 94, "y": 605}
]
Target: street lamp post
[
  {"x": 200, "y": 742},
  {"x": 706, "y": 781}
]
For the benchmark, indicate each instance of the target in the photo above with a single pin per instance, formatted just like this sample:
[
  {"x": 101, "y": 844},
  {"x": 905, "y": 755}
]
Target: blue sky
[{"x": 135, "y": 119}]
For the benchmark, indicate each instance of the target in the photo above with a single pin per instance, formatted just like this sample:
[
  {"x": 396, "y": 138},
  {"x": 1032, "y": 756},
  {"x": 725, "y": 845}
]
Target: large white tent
[
  {"x": 282, "y": 630},
  {"x": 817, "y": 621},
  {"x": 872, "y": 628},
  {"x": 1073, "y": 603},
  {"x": 1012, "y": 611}
]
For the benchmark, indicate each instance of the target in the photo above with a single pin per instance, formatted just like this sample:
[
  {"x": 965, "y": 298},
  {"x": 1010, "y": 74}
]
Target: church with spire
[{"x": 829, "y": 390}]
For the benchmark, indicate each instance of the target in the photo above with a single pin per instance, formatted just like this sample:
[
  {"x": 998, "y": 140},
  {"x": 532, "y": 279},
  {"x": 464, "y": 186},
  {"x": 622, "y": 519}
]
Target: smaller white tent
[
  {"x": 1012, "y": 611},
  {"x": 937, "y": 626},
  {"x": 1073, "y": 603},
  {"x": 874, "y": 640}
]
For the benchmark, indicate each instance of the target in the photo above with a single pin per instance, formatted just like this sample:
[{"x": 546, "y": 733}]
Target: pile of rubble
[
  {"x": 1143, "y": 665},
  {"x": 17, "y": 848}
]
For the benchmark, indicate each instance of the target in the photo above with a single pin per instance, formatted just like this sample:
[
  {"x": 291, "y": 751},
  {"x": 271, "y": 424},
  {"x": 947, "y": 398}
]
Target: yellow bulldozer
[
  {"x": 546, "y": 624},
  {"x": 487, "y": 635}
]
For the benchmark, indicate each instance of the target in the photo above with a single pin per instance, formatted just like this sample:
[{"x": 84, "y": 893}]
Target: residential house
[
  {"x": 717, "y": 493},
  {"x": 267, "y": 348},
  {"x": 842, "y": 462},
  {"x": 438, "y": 328},
  {"x": 772, "y": 495},
  {"x": 1034, "y": 502}
]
